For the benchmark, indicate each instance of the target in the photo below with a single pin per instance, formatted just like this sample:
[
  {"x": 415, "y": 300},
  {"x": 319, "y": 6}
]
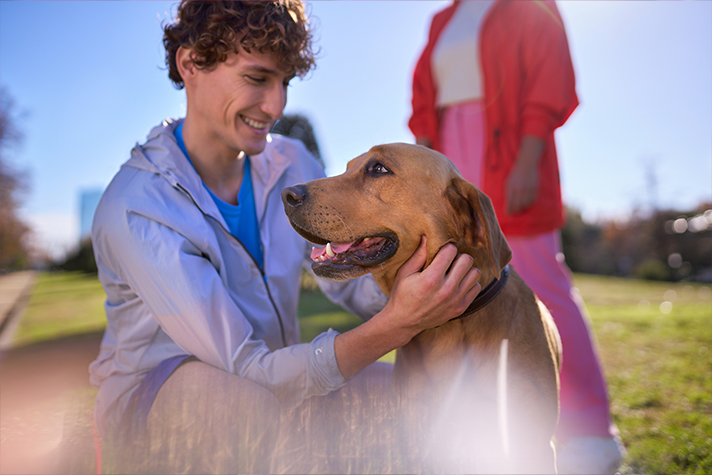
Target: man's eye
[{"x": 255, "y": 79}]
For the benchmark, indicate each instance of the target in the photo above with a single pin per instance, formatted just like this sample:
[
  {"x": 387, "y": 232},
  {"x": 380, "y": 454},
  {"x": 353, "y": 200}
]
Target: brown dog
[{"x": 370, "y": 220}]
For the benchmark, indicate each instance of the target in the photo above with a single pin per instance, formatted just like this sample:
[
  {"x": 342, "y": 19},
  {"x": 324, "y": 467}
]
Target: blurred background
[{"x": 82, "y": 82}]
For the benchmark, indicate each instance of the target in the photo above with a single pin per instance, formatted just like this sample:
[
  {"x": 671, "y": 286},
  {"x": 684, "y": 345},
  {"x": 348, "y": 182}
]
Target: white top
[{"x": 456, "y": 58}]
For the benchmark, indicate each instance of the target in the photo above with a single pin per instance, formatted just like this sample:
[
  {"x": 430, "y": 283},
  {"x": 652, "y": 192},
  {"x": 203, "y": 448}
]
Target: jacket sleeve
[
  {"x": 424, "y": 120},
  {"x": 549, "y": 88},
  {"x": 183, "y": 291}
]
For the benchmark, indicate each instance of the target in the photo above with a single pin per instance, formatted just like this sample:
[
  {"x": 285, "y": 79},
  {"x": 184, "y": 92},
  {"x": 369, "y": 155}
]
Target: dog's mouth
[
  {"x": 337, "y": 260},
  {"x": 365, "y": 251}
]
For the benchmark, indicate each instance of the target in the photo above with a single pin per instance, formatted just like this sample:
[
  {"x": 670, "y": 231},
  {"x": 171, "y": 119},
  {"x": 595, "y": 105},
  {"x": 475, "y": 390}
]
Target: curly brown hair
[{"x": 212, "y": 29}]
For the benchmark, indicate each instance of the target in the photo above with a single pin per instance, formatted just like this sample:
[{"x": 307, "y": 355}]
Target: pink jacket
[{"x": 529, "y": 89}]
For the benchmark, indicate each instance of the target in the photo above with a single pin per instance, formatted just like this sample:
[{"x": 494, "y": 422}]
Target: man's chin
[{"x": 255, "y": 147}]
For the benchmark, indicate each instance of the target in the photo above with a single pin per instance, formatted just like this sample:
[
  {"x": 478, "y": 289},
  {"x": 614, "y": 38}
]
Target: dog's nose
[{"x": 294, "y": 195}]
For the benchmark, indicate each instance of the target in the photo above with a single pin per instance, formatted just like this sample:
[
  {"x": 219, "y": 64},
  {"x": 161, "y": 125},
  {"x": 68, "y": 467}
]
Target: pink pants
[{"x": 539, "y": 261}]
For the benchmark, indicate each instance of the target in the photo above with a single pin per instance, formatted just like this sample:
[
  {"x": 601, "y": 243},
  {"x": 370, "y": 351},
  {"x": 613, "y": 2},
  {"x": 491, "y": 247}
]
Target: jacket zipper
[{"x": 254, "y": 261}]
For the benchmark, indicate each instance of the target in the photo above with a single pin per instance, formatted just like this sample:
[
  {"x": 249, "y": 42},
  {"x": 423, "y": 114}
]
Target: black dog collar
[{"x": 487, "y": 295}]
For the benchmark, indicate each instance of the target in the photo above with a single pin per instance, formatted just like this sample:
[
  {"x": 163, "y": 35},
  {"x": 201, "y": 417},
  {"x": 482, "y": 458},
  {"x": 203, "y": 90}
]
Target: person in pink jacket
[{"x": 493, "y": 83}]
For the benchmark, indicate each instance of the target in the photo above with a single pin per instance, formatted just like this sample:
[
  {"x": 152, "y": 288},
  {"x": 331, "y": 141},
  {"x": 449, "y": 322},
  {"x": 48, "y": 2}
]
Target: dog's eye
[{"x": 379, "y": 168}]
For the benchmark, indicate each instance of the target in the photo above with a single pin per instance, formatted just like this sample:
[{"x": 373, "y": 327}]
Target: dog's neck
[
  {"x": 487, "y": 295},
  {"x": 481, "y": 259},
  {"x": 385, "y": 281}
]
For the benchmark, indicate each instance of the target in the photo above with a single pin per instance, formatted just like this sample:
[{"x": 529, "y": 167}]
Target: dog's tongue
[
  {"x": 339, "y": 247},
  {"x": 336, "y": 248}
]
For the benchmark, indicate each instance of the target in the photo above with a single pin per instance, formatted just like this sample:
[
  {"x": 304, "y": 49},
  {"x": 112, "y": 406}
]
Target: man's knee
[
  {"x": 201, "y": 389},
  {"x": 208, "y": 419}
]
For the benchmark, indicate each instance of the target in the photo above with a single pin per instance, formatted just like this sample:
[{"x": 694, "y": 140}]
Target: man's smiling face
[{"x": 238, "y": 101}]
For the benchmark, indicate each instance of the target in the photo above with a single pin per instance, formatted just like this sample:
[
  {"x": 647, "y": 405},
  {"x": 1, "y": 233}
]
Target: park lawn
[
  {"x": 61, "y": 304},
  {"x": 655, "y": 343}
]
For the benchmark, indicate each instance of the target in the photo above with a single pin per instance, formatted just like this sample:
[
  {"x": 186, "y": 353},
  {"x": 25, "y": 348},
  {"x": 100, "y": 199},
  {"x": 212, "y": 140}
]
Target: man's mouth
[{"x": 255, "y": 124}]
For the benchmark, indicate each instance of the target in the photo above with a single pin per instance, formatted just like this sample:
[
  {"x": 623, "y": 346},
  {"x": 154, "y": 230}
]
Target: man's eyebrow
[{"x": 261, "y": 69}]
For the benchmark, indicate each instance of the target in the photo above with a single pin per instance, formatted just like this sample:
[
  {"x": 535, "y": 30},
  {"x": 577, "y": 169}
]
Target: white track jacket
[{"x": 177, "y": 282}]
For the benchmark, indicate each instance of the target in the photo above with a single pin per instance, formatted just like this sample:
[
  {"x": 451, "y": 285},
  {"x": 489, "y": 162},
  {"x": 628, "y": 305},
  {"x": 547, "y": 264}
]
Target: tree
[
  {"x": 15, "y": 249},
  {"x": 79, "y": 260},
  {"x": 662, "y": 245},
  {"x": 584, "y": 247},
  {"x": 298, "y": 127}
]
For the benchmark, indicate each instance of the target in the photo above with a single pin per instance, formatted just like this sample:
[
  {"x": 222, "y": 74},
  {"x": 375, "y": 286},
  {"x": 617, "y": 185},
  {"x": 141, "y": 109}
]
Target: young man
[{"x": 201, "y": 268}]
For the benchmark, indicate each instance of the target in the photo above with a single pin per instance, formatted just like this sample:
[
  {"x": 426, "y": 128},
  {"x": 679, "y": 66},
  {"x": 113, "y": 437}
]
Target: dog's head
[{"x": 371, "y": 218}]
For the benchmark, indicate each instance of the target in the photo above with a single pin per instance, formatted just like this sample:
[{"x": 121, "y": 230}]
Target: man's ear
[
  {"x": 184, "y": 63},
  {"x": 476, "y": 223}
]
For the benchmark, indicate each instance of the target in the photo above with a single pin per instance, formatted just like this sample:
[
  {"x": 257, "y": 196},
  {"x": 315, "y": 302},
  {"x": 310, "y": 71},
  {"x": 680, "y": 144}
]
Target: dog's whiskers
[{"x": 346, "y": 226}]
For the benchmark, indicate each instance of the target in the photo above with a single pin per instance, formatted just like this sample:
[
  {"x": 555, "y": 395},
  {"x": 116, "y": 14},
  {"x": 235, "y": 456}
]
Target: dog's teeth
[
  {"x": 329, "y": 251},
  {"x": 366, "y": 239}
]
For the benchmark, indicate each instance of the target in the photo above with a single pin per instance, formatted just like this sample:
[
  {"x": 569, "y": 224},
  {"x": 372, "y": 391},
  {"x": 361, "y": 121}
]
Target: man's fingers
[
  {"x": 461, "y": 266},
  {"x": 442, "y": 260},
  {"x": 462, "y": 275},
  {"x": 470, "y": 277}
]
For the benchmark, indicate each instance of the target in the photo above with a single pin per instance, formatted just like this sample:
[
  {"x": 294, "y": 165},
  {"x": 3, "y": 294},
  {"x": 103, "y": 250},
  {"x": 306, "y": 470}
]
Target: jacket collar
[{"x": 161, "y": 154}]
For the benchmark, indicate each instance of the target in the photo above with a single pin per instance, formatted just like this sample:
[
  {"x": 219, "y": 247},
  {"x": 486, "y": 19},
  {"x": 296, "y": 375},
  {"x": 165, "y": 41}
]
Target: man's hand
[
  {"x": 428, "y": 298},
  {"x": 522, "y": 183},
  {"x": 420, "y": 299}
]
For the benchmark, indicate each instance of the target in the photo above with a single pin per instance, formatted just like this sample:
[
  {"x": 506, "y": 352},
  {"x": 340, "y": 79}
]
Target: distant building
[{"x": 88, "y": 201}]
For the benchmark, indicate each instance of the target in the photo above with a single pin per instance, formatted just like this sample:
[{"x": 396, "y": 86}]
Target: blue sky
[{"x": 90, "y": 77}]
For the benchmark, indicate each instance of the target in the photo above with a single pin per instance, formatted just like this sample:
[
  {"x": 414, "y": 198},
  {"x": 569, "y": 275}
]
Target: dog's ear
[{"x": 475, "y": 222}]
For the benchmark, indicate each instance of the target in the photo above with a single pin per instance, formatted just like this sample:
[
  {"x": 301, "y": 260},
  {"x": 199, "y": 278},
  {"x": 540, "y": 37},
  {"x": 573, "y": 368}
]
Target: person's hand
[
  {"x": 420, "y": 299},
  {"x": 424, "y": 141},
  {"x": 522, "y": 184},
  {"x": 428, "y": 298},
  {"x": 521, "y": 187}
]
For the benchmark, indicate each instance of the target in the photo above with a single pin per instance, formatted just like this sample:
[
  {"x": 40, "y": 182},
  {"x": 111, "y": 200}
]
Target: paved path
[
  {"x": 14, "y": 291},
  {"x": 45, "y": 396}
]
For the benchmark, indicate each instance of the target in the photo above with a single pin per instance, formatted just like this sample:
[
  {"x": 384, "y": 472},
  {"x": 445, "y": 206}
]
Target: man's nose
[{"x": 275, "y": 101}]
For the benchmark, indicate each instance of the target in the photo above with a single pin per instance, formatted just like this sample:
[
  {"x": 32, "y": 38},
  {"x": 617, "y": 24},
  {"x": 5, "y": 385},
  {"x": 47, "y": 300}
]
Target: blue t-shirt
[{"x": 241, "y": 219}]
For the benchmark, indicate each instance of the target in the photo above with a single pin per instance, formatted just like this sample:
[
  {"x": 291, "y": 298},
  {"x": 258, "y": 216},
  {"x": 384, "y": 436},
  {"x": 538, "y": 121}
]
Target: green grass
[
  {"x": 658, "y": 365},
  {"x": 61, "y": 304},
  {"x": 657, "y": 356}
]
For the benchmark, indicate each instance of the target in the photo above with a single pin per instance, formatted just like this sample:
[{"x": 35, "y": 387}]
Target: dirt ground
[{"x": 45, "y": 406}]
